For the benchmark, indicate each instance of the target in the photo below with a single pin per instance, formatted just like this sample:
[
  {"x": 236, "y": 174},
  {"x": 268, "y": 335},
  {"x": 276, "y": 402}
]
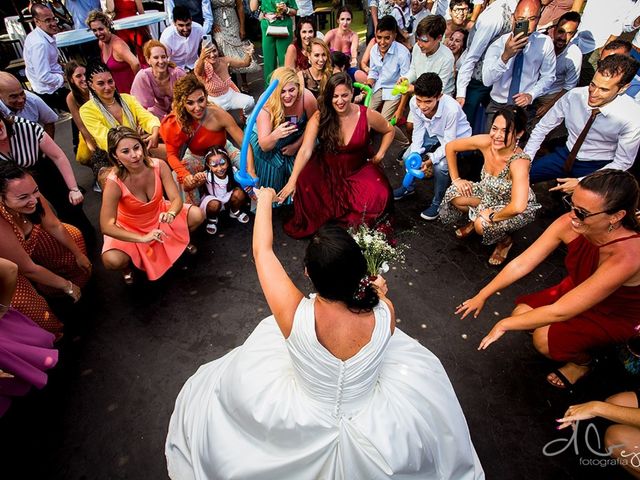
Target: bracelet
[
  {"x": 3, "y": 305},
  {"x": 69, "y": 290},
  {"x": 491, "y": 215},
  {"x": 74, "y": 189},
  {"x": 287, "y": 11},
  {"x": 455, "y": 179},
  {"x": 171, "y": 213}
]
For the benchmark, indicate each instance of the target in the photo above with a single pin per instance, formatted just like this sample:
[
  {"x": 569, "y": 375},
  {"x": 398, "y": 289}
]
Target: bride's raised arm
[{"x": 282, "y": 295}]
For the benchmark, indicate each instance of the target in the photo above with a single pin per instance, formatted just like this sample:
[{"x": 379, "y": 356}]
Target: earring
[
  {"x": 610, "y": 229},
  {"x": 120, "y": 164}
]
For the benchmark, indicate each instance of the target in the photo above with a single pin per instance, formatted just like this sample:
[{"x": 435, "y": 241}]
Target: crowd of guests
[{"x": 540, "y": 90}]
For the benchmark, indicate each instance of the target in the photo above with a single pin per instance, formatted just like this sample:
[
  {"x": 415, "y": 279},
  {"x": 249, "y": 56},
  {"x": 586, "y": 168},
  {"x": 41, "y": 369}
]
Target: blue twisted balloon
[
  {"x": 242, "y": 176},
  {"x": 412, "y": 166}
]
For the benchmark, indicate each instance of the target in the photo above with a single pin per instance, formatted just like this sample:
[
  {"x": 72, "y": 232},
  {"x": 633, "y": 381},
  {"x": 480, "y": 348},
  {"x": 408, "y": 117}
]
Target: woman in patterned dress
[
  {"x": 502, "y": 201},
  {"x": 229, "y": 33}
]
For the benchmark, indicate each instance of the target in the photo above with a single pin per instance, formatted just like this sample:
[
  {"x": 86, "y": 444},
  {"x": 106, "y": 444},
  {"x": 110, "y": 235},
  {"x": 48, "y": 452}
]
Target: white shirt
[
  {"x": 183, "y": 51},
  {"x": 401, "y": 15},
  {"x": 424, "y": 13},
  {"x": 568, "y": 65},
  {"x": 207, "y": 14},
  {"x": 35, "y": 109},
  {"x": 614, "y": 135},
  {"x": 490, "y": 25},
  {"x": 448, "y": 123},
  {"x": 386, "y": 71},
  {"x": 305, "y": 8},
  {"x": 441, "y": 7},
  {"x": 440, "y": 62},
  {"x": 632, "y": 14},
  {"x": 600, "y": 19},
  {"x": 41, "y": 61},
  {"x": 538, "y": 69}
]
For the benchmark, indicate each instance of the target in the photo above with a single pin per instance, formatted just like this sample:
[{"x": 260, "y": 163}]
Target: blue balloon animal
[
  {"x": 412, "y": 166},
  {"x": 243, "y": 178}
]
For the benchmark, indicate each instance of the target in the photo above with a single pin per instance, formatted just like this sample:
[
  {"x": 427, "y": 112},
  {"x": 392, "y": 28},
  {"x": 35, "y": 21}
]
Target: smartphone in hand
[
  {"x": 521, "y": 26},
  {"x": 292, "y": 119}
]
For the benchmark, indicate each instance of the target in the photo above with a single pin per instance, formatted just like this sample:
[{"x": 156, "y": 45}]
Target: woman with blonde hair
[
  {"x": 140, "y": 226},
  {"x": 153, "y": 86},
  {"x": 193, "y": 126},
  {"x": 277, "y": 134},
  {"x": 315, "y": 77}
]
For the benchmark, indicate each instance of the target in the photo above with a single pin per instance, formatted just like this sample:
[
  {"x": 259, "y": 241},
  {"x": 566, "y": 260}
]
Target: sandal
[
  {"x": 499, "y": 255},
  {"x": 127, "y": 277},
  {"x": 191, "y": 249},
  {"x": 465, "y": 231},
  {"x": 212, "y": 226},
  {"x": 562, "y": 382},
  {"x": 242, "y": 217}
]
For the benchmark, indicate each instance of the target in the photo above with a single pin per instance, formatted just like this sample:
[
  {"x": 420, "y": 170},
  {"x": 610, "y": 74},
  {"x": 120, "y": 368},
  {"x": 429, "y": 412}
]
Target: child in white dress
[{"x": 222, "y": 190}]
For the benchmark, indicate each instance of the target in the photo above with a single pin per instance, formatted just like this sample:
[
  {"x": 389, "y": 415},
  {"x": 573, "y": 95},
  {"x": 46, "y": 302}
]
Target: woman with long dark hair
[
  {"x": 316, "y": 389},
  {"x": 297, "y": 56},
  {"x": 342, "y": 179},
  {"x": 50, "y": 255},
  {"x": 598, "y": 303}
]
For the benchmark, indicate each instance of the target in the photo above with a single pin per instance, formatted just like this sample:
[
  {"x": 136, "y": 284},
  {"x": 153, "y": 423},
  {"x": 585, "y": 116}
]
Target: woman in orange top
[
  {"x": 198, "y": 125},
  {"x": 139, "y": 225}
]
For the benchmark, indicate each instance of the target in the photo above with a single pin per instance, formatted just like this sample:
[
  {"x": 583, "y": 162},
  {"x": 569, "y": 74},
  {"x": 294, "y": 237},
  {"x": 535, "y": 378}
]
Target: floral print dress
[{"x": 494, "y": 192}]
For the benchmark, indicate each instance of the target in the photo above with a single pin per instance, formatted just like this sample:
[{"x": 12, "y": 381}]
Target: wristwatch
[{"x": 491, "y": 215}]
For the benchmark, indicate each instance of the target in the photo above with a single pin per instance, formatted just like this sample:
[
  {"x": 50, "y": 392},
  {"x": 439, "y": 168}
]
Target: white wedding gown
[{"x": 288, "y": 409}]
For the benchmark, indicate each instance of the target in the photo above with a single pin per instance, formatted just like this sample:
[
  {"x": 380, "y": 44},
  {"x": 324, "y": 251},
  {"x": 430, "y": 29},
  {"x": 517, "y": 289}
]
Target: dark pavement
[{"x": 128, "y": 350}]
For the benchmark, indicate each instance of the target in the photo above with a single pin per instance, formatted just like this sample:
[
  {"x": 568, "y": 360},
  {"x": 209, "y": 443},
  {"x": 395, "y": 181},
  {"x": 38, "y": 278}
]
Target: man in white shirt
[
  {"x": 438, "y": 119},
  {"x": 183, "y": 39},
  {"x": 568, "y": 62},
  {"x": 493, "y": 22},
  {"x": 14, "y": 100},
  {"x": 603, "y": 126},
  {"x": 40, "y": 54},
  {"x": 519, "y": 68},
  {"x": 417, "y": 12},
  {"x": 199, "y": 10}
]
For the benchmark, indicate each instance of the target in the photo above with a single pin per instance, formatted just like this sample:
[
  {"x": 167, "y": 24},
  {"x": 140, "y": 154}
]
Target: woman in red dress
[
  {"x": 598, "y": 303},
  {"x": 339, "y": 181},
  {"x": 135, "y": 37}
]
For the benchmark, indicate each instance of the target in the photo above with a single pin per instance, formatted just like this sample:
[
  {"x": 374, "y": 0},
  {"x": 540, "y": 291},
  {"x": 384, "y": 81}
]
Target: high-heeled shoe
[{"x": 127, "y": 277}]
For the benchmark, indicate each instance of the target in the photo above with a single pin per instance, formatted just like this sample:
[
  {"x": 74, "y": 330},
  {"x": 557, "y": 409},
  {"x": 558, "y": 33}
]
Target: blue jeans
[
  {"x": 477, "y": 94},
  {"x": 551, "y": 166}
]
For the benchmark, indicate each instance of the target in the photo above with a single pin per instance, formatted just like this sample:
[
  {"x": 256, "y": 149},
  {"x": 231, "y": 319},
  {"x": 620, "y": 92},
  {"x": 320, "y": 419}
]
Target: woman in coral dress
[
  {"x": 338, "y": 181},
  {"x": 139, "y": 225},
  {"x": 325, "y": 388}
]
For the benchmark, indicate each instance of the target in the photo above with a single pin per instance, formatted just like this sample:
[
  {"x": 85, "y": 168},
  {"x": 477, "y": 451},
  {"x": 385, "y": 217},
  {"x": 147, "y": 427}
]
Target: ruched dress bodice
[{"x": 343, "y": 386}]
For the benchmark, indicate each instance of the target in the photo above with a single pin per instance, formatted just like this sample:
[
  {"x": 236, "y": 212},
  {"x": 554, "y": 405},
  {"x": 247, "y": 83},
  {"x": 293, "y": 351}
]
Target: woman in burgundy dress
[
  {"x": 339, "y": 181},
  {"x": 598, "y": 303},
  {"x": 134, "y": 37}
]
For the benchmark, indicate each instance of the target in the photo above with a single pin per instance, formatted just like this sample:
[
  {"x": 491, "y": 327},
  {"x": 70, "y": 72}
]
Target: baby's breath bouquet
[{"x": 378, "y": 248}]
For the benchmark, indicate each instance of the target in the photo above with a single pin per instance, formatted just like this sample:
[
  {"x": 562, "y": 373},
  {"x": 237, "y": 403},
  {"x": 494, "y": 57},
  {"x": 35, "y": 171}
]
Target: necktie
[
  {"x": 516, "y": 75},
  {"x": 568, "y": 163},
  {"x": 410, "y": 24}
]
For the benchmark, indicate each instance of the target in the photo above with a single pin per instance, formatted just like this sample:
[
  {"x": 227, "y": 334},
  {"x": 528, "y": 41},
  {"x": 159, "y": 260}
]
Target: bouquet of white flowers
[{"x": 377, "y": 246}]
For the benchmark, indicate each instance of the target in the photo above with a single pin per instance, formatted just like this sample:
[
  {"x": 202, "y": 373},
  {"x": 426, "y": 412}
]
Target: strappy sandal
[
  {"x": 499, "y": 255},
  {"x": 242, "y": 217},
  {"x": 564, "y": 383},
  {"x": 464, "y": 232},
  {"x": 212, "y": 226},
  {"x": 127, "y": 277}
]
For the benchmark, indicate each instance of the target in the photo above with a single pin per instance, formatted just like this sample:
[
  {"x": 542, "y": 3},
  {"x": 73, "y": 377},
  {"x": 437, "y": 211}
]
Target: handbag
[{"x": 277, "y": 31}]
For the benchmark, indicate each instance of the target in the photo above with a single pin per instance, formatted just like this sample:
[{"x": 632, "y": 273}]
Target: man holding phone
[{"x": 519, "y": 66}]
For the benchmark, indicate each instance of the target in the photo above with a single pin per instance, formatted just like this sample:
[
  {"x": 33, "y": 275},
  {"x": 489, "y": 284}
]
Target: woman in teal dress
[
  {"x": 277, "y": 135},
  {"x": 275, "y": 14}
]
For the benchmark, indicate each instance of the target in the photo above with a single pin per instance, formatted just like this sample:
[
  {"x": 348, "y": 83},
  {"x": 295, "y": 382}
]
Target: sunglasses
[
  {"x": 579, "y": 213},
  {"x": 213, "y": 164}
]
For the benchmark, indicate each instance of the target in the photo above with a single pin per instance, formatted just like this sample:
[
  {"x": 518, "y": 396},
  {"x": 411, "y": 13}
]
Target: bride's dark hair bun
[{"x": 336, "y": 266}]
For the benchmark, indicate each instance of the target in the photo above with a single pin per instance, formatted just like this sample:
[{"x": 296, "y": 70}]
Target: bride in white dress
[{"x": 325, "y": 388}]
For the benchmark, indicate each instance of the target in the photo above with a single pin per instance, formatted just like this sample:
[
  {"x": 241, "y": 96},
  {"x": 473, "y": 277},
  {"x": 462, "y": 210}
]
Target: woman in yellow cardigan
[{"x": 107, "y": 109}]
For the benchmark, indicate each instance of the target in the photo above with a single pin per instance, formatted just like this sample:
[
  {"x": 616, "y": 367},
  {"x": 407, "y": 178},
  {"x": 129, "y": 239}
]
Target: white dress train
[{"x": 288, "y": 409}]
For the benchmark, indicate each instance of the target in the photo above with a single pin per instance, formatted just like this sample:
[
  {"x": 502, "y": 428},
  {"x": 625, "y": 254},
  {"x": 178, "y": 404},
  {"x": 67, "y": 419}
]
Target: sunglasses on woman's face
[
  {"x": 580, "y": 214},
  {"x": 217, "y": 163}
]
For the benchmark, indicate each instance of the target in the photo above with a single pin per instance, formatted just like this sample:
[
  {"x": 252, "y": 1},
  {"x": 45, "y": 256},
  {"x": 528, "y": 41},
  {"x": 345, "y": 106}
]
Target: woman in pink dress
[
  {"x": 341, "y": 181},
  {"x": 114, "y": 51},
  {"x": 139, "y": 225},
  {"x": 26, "y": 350}
]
